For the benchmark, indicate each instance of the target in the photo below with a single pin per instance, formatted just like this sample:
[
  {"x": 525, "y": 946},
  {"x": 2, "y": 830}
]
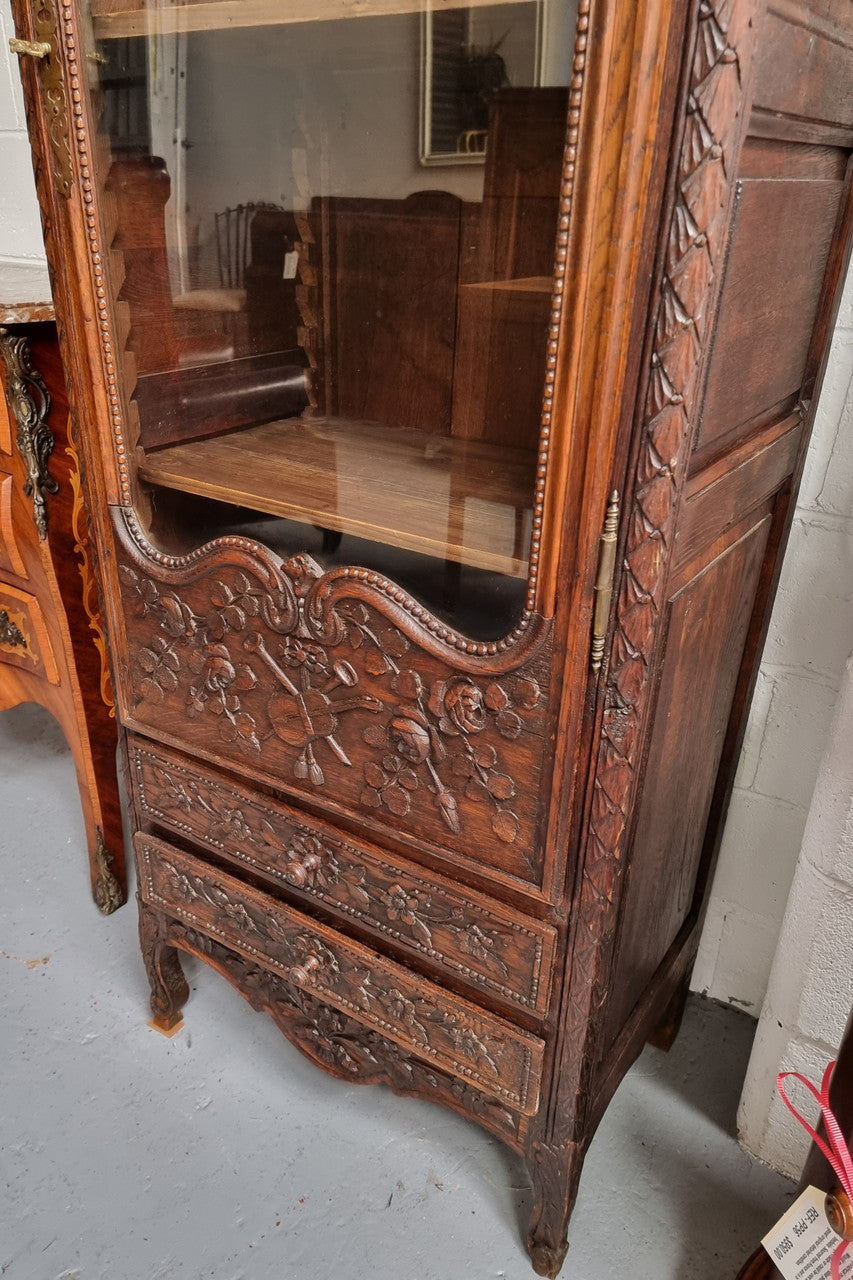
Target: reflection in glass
[{"x": 329, "y": 349}]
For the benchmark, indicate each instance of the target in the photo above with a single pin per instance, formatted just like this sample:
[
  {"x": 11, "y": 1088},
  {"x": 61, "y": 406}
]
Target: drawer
[
  {"x": 418, "y": 1015},
  {"x": 24, "y": 639},
  {"x": 10, "y": 555},
  {"x": 480, "y": 942}
]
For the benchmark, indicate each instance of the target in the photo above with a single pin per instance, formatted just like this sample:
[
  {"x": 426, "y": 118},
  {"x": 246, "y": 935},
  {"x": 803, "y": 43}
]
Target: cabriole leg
[
  {"x": 169, "y": 990},
  {"x": 555, "y": 1173}
]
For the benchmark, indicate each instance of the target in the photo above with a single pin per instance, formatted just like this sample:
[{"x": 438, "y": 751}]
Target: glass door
[{"x": 339, "y": 333}]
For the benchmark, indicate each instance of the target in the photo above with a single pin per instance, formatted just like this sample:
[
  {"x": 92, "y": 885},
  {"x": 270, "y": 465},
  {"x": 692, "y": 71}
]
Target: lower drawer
[
  {"x": 23, "y": 635},
  {"x": 436, "y": 1026},
  {"x": 488, "y": 946}
]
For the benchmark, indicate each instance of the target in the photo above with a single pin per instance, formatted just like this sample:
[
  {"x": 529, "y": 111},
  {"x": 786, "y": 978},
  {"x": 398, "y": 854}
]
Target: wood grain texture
[
  {"x": 459, "y": 1038},
  {"x": 291, "y": 675},
  {"x": 498, "y": 772},
  {"x": 336, "y": 1043},
  {"x": 471, "y": 938},
  {"x": 779, "y": 251},
  {"x": 52, "y": 602},
  {"x": 459, "y": 500}
]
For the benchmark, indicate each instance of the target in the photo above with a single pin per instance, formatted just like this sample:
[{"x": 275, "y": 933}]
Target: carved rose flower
[
  {"x": 410, "y": 738},
  {"x": 459, "y": 706},
  {"x": 213, "y": 664}
]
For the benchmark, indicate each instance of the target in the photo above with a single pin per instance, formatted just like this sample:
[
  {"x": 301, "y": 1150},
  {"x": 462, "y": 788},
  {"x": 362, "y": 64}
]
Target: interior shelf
[
  {"x": 460, "y": 500},
  {"x": 116, "y": 18},
  {"x": 523, "y": 284}
]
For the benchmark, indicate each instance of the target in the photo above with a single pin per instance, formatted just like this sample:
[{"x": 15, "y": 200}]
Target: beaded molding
[{"x": 453, "y": 639}]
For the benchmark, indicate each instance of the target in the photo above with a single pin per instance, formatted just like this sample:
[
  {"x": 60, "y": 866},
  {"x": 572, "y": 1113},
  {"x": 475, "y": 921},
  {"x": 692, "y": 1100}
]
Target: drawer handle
[
  {"x": 301, "y": 973},
  {"x": 298, "y": 871}
]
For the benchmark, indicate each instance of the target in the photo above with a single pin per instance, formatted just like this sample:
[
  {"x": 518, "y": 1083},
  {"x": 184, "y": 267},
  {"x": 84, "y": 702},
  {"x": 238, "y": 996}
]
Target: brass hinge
[{"x": 604, "y": 580}]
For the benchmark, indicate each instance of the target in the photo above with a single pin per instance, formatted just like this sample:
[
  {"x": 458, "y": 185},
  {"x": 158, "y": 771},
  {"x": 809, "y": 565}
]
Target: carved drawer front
[
  {"x": 481, "y": 942},
  {"x": 441, "y": 1028},
  {"x": 23, "y": 635}
]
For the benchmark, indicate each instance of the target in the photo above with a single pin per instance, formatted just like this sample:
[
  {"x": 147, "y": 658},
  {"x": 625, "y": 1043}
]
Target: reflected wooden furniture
[
  {"x": 52, "y": 645},
  {"x": 473, "y": 865}
]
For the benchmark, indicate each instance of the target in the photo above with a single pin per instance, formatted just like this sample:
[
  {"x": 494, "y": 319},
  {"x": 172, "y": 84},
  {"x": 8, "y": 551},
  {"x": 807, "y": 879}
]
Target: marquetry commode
[
  {"x": 52, "y": 645},
  {"x": 441, "y": 442}
]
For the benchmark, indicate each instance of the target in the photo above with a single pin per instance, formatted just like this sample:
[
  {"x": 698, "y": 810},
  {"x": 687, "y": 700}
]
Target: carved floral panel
[
  {"x": 317, "y": 687},
  {"x": 472, "y": 1044},
  {"x": 339, "y": 1044},
  {"x": 477, "y": 940}
]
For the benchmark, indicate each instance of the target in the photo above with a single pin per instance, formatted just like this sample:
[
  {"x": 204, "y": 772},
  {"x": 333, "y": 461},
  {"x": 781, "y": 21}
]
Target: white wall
[
  {"x": 20, "y": 226},
  {"x": 811, "y": 634},
  {"x": 811, "y": 984}
]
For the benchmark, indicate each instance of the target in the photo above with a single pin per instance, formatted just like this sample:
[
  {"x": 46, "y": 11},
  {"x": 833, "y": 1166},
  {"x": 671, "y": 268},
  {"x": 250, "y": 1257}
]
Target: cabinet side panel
[
  {"x": 707, "y": 619},
  {"x": 789, "y": 201}
]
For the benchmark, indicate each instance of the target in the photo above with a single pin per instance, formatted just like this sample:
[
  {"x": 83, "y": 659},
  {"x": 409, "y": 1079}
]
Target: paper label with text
[{"x": 802, "y": 1242}]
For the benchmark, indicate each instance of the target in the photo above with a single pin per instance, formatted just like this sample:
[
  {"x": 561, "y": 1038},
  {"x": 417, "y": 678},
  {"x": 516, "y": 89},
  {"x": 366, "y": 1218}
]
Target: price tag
[{"x": 802, "y": 1242}]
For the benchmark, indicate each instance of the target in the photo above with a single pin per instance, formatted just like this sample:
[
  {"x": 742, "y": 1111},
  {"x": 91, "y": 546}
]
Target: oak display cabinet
[{"x": 440, "y": 508}]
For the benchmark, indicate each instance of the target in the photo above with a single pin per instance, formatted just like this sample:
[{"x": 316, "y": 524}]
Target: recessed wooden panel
[
  {"x": 719, "y": 495},
  {"x": 707, "y": 618},
  {"x": 779, "y": 252},
  {"x": 10, "y": 556},
  {"x": 804, "y": 65}
]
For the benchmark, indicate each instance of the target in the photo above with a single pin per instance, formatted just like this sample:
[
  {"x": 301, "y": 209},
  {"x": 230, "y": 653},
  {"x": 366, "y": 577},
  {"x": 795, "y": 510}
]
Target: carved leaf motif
[
  {"x": 505, "y": 825},
  {"x": 428, "y": 737}
]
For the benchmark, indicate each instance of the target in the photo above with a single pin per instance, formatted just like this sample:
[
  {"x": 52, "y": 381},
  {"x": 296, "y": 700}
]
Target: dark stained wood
[
  {"x": 781, "y": 243},
  {"x": 474, "y": 942},
  {"x": 705, "y": 625},
  {"x": 697, "y": 269},
  {"x": 390, "y": 275},
  {"x": 422, "y": 1018},
  {"x": 53, "y": 649},
  {"x": 505, "y": 290},
  {"x": 804, "y": 66}
]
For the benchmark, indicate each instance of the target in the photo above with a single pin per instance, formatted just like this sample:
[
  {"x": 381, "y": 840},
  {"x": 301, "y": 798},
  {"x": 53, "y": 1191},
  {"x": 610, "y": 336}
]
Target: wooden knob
[
  {"x": 839, "y": 1213},
  {"x": 298, "y": 871},
  {"x": 301, "y": 973}
]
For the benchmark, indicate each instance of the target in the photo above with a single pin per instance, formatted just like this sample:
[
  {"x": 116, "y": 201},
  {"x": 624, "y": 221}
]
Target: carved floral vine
[{"x": 428, "y": 735}]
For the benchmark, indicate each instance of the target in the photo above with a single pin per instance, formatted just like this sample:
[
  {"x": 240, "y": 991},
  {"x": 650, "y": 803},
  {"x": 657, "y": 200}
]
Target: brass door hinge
[
  {"x": 604, "y": 580},
  {"x": 54, "y": 97}
]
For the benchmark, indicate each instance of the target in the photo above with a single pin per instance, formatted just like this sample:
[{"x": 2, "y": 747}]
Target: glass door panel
[{"x": 336, "y": 222}]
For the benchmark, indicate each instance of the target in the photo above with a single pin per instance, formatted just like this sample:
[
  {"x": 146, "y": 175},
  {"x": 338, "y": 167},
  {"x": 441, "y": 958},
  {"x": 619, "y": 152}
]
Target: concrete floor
[{"x": 223, "y": 1153}]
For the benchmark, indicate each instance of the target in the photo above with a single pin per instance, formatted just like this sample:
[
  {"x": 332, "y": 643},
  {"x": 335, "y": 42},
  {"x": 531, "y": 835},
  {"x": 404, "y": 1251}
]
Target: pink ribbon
[{"x": 836, "y": 1150}]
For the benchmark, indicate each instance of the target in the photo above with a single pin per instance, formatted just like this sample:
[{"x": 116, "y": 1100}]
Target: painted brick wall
[
  {"x": 811, "y": 983},
  {"x": 811, "y": 635}
]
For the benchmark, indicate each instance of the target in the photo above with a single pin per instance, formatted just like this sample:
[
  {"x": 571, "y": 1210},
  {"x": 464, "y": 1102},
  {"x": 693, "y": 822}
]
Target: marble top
[{"x": 24, "y": 293}]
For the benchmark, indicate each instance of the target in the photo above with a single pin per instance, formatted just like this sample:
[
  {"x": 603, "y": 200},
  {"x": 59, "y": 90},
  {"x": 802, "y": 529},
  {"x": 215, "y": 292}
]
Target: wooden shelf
[
  {"x": 116, "y": 18},
  {"x": 459, "y": 500},
  {"x": 527, "y": 284}
]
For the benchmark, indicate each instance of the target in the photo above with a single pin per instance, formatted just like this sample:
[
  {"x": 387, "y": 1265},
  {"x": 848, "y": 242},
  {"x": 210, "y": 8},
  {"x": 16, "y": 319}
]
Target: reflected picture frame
[{"x": 458, "y": 72}]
